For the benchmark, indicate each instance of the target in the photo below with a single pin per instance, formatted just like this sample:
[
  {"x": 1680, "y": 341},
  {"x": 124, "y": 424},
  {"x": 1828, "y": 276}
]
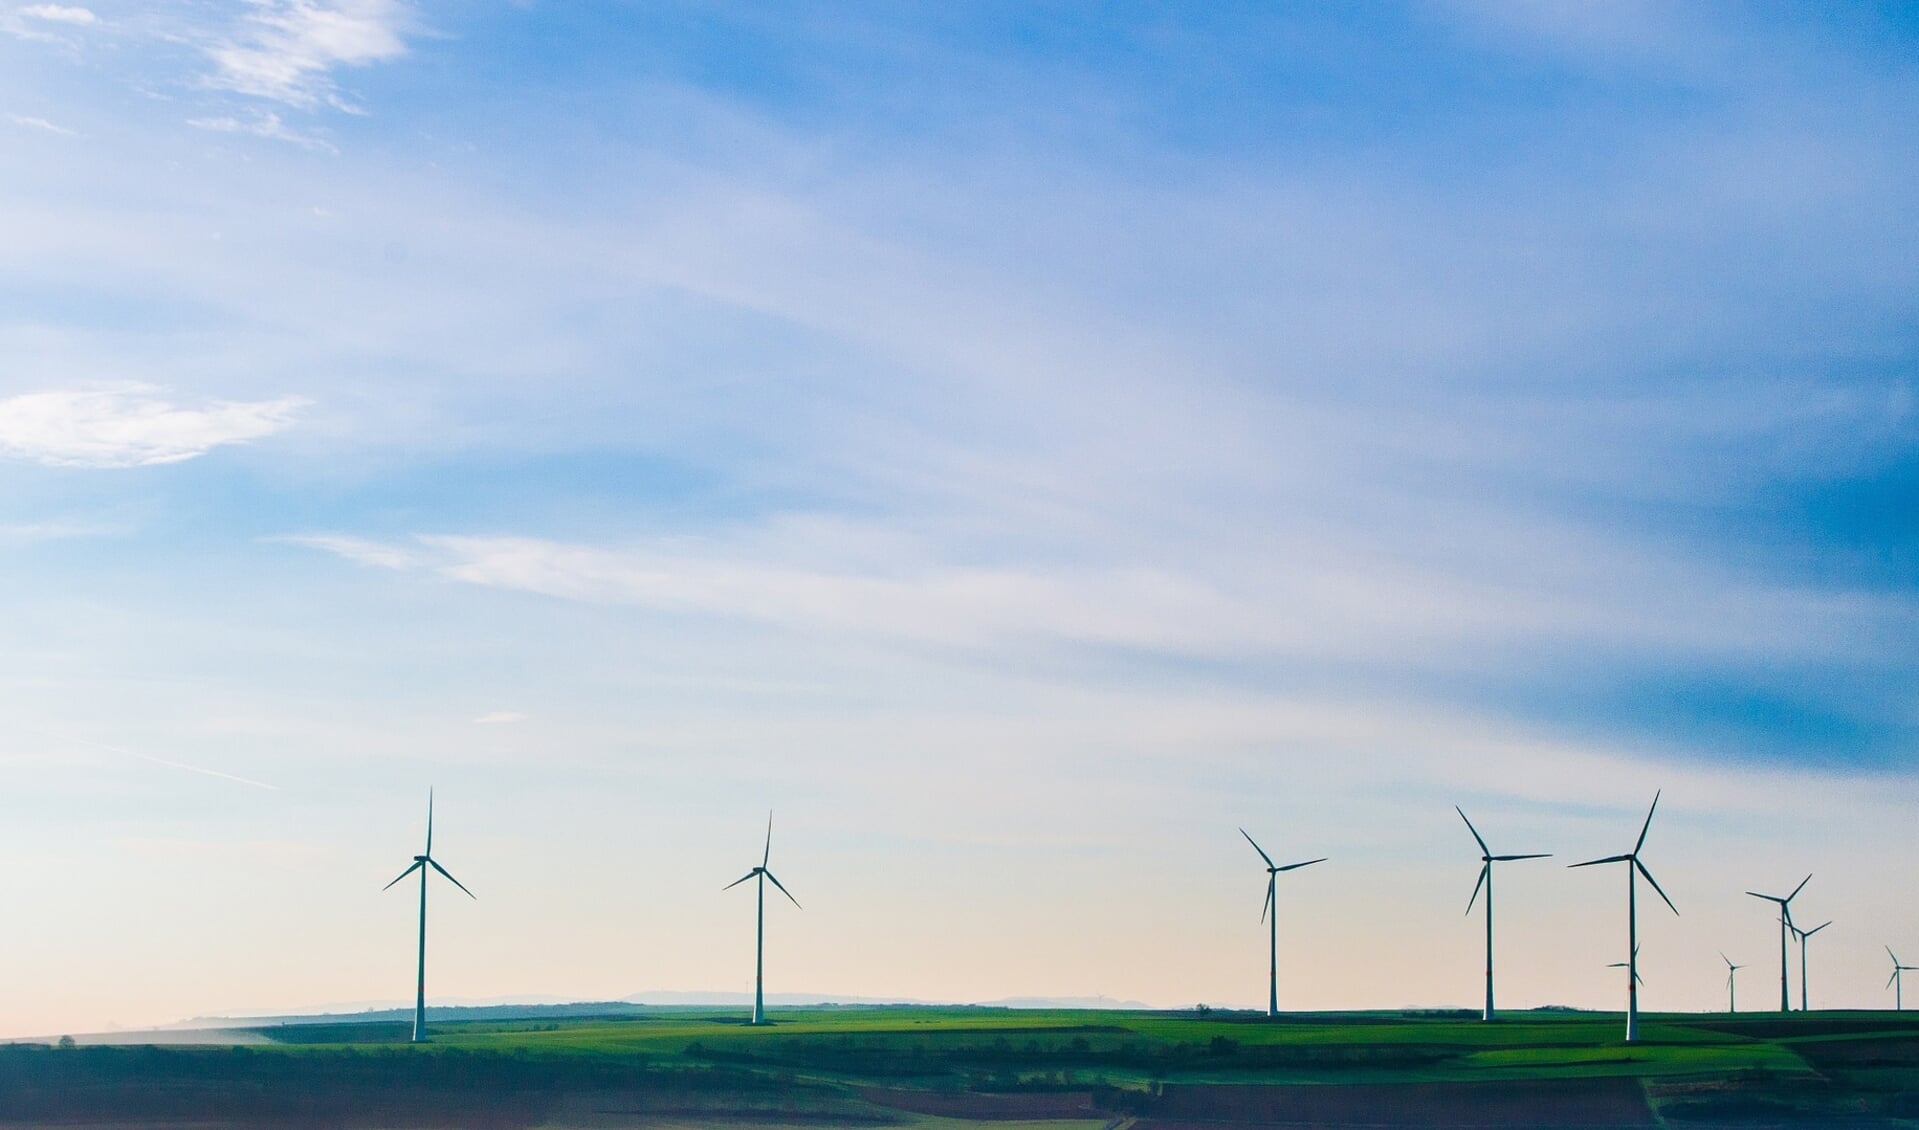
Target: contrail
[{"x": 155, "y": 760}]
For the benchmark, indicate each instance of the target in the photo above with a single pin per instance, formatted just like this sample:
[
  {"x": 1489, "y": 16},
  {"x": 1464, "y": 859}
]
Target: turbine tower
[
  {"x": 1486, "y": 861},
  {"x": 1785, "y": 926},
  {"x": 1732, "y": 990},
  {"x": 1895, "y": 982},
  {"x": 1634, "y": 869},
  {"x": 1802, "y": 935},
  {"x": 759, "y": 944},
  {"x": 422, "y": 863},
  {"x": 1271, "y": 907}
]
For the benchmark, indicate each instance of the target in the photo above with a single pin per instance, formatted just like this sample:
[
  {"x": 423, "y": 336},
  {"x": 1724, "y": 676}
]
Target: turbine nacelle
[
  {"x": 1487, "y": 859},
  {"x": 1632, "y": 860},
  {"x": 766, "y": 857},
  {"x": 1897, "y": 968},
  {"x": 1785, "y": 904}
]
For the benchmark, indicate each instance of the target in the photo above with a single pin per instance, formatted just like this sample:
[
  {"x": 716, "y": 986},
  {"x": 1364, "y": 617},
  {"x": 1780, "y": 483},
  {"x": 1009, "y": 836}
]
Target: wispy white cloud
[
  {"x": 499, "y": 718},
  {"x": 288, "y": 50},
  {"x": 59, "y": 13},
  {"x": 265, "y": 124},
  {"x": 28, "y": 122},
  {"x": 31, "y": 533},
  {"x": 131, "y": 426},
  {"x": 163, "y": 761},
  {"x": 361, "y": 550},
  {"x": 1320, "y": 601},
  {"x": 46, "y": 23}
]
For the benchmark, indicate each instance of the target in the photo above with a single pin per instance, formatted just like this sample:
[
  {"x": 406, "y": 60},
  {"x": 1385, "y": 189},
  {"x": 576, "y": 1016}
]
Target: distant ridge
[{"x": 635, "y": 1005}]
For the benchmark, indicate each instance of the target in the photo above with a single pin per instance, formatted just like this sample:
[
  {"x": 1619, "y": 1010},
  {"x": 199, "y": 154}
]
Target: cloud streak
[
  {"x": 164, "y": 762},
  {"x": 288, "y": 51},
  {"x": 59, "y": 14},
  {"x": 1305, "y": 601},
  {"x": 266, "y": 124},
  {"x": 131, "y": 426},
  {"x": 44, "y": 126}
]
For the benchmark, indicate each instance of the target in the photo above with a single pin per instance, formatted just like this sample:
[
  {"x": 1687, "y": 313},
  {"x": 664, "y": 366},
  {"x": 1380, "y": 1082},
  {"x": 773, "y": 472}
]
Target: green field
[{"x": 968, "y": 1066}]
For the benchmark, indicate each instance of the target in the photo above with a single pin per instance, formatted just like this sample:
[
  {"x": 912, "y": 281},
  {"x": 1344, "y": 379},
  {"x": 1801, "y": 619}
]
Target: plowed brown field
[{"x": 1572, "y": 1104}]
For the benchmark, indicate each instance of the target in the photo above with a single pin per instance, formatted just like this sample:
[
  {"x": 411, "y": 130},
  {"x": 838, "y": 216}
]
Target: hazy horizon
[{"x": 1018, "y": 446}]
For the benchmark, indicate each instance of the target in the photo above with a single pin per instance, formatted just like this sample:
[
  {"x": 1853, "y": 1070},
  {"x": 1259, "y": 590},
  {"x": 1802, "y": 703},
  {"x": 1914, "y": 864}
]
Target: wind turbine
[
  {"x": 1271, "y": 906},
  {"x": 1896, "y": 983},
  {"x": 422, "y": 863},
  {"x": 1634, "y": 869},
  {"x": 1802, "y": 935},
  {"x": 1785, "y": 925},
  {"x": 1486, "y": 861},
  {"x": 759, "y": 944},
  {"x": 1732, "y": 990}
]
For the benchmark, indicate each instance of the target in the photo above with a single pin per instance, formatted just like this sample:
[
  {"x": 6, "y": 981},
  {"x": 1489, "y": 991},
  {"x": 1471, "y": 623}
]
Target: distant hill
[
  {"x": 572, "y": 1010},
  {"x": 637, "y": 1004}
]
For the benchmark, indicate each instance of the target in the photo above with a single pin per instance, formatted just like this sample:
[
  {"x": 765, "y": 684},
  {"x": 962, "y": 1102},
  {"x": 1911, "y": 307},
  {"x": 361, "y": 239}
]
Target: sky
[{"x": 1016, "y": 445}]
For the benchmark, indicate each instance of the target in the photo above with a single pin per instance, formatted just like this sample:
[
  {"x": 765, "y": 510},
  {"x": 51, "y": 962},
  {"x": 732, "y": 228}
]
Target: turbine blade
[
  {"x": 741, "y": 879},
  {"x": 1647, "y": 827},
  {"x": 1266, "y": 903},
  {"x": 1483, "y": 868},
  {"x": 768, "y": 857},
  {"x": 1724, "y": 958},
  {"x": 1800, "y": 887},
  {"x": 1816, "y": 929},
  {"x": 1531, "y": 855},
  {"x": 451, "y": 879},
  {"x": 1894, "y": 977},
  {"x": 1655, "y": 885},
  {"x": 1483, "y": 849},
  {"x": 429, "y": 820},
  {"x": 783, "y": 890},
  {"x": 1297, "y": 866},
  {"x": 402, "y": 875},
  {"x": 1892, "y": 955},
  {"x": 1594, "y": 862},
  {"x": 1768, "y": 898},
  {"x": 1257, "y": 848}
]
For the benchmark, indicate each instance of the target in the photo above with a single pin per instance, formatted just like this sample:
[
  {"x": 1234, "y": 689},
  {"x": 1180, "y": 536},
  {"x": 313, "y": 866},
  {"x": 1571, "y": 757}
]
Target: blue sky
[{"x": 1018, "y": 444}]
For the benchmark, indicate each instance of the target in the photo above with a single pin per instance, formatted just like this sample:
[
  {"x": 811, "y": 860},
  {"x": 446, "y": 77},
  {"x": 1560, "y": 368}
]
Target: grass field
[{"x": 934, "y": 1068}]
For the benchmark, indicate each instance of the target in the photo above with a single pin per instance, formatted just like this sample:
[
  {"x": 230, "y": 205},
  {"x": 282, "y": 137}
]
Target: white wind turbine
[
  {"x": 422, "y": 863},
  {"x": 1895, "y": 982},
  {"x": 759, "y": 943},
  {"x": 1804, "y": 936},
  {"x": 1486, "y": 861},
  {"x": 1271, "y": 907},
  {"x": 1785, "y": 928},
  {"x": 1634, "y": 869}
]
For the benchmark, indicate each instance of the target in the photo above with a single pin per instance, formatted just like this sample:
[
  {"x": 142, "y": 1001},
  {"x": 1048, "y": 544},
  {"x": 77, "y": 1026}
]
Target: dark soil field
[{"x": 1566, "y": 1103}]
